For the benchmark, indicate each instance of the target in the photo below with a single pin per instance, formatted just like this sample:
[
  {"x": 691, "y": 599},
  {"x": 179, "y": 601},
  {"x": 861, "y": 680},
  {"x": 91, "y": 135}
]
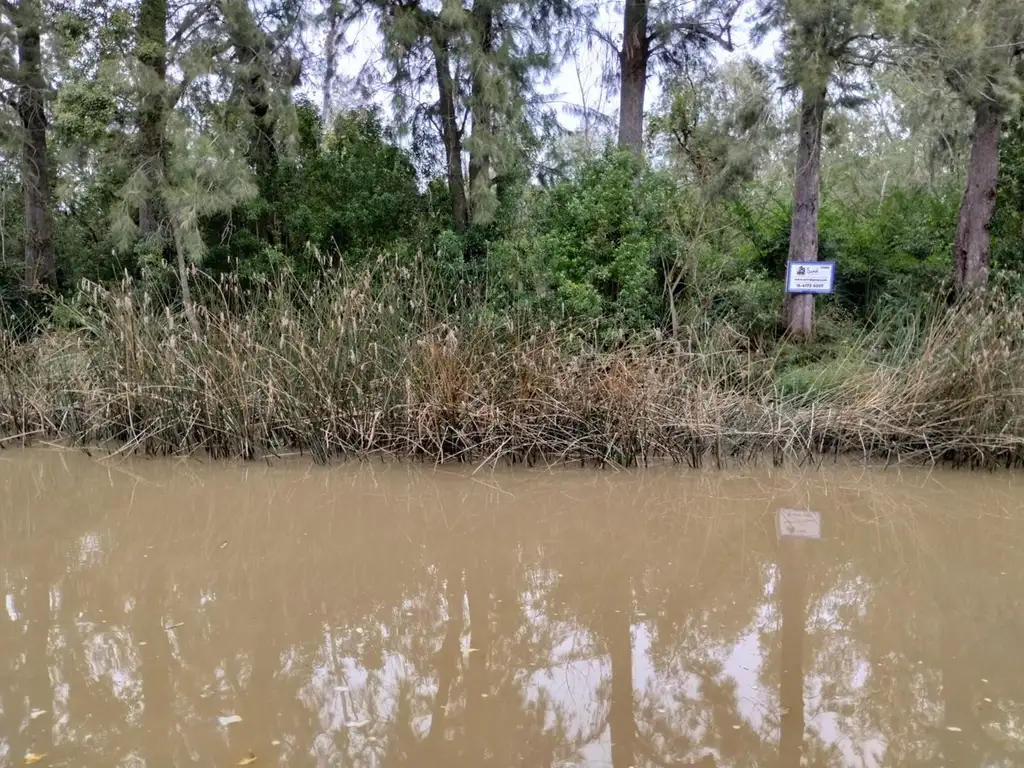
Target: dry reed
[{"x": 358, "y": 366}]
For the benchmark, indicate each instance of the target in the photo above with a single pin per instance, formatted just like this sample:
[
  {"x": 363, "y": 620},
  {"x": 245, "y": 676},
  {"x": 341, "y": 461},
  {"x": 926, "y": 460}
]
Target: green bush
[
  {"x": 604, "y": 234},
  {"x": 351, "y": 193}
]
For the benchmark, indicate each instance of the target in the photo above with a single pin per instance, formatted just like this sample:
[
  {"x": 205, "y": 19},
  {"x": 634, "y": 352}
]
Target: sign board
[
  {"x": 811, "y": 277},
  {"x": 799, "y": 524}
]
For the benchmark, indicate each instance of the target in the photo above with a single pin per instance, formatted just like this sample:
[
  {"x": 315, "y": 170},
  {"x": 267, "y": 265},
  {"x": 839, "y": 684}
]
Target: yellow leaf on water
[
  {"x": 175, "y": 626},
  {"x": 247, "y": 760},
  {"x": 31, "y": 758}
]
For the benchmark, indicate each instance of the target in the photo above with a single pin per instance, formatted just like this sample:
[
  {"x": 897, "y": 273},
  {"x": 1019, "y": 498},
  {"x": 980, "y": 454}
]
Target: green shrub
[{"x": 604, "y": 234}]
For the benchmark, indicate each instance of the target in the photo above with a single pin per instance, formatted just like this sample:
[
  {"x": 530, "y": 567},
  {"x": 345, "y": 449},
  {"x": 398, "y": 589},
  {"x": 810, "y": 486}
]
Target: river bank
[{"x": 358, "y": 371}]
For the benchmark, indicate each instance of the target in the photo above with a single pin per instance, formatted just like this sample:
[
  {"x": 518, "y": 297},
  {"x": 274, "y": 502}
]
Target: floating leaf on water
[
  {"x": 358, "y": 723},
  {"x": 736, "y": 727},
  {"x": 275, "y": 743},
  {"x": 35, "y": 713},
  {"x": 359, "y": 630},
  {"x": 249, "y": 759},
  {"x": 953, "y": 728},
  {"x": 229, "y": 719},
  {"x": 175, "y": 626},
  {"x": 472, "y": 650},
  {"x": 31, "y": 758},
  {"x": 223, "y": 544},
  {"x": 988, "y": 700}
]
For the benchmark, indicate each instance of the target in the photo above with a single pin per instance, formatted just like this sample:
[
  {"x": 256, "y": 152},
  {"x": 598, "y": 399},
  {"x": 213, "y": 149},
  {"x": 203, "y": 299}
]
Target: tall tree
[
  {"x": 189, "y": 163},
  {"x": 422, "y": 48},
  {"x": 333, "y": 23},
  {"x": 152, "y": 56},
  {"x": 673, "y": 34},
  {"x": 262, "y": 72},
  {"x": 23, "y": 25},
  {"x": 480, "y": 59},
  {"x": 824, "y": 42},
  {"x": 976, "y": 46}
]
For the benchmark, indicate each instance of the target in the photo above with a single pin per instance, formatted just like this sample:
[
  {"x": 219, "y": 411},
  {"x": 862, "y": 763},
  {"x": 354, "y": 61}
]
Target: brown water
[{"x": 384, "y": 615}]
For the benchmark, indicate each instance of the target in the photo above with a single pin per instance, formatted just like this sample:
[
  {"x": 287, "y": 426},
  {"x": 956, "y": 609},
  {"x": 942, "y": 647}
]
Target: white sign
[
  {"x": 799, "y": 524},
  {"x": 811, "y": 277}
]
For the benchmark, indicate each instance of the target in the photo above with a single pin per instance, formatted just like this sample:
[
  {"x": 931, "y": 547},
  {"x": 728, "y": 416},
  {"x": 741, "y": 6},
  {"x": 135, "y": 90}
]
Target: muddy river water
[{"x": 171, "y": 613}]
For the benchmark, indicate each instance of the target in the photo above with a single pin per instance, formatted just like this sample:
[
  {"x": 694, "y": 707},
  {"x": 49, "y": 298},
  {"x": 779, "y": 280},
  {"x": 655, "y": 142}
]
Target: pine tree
[
  {"x": 482, "y": 60},
  {"x": 262, "y": 72},
  {"x": 152, "y": 57},
  {"x": 27, "y": 91},
  {"x": 192, "y": 157},
  {"x": 671, "y": 35},
  {"x": 977, "y": 47},
  {"x": 825, "y": 43}
]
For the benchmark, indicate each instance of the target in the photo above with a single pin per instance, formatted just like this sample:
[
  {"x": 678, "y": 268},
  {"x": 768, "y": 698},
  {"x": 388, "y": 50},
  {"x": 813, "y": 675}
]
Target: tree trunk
[
  {"x": 483, "y": 124},
  {"x": 152, "y": 53},
  {"x": 803, "y": 236},
  {"x": 252, "y": 49},
  {"x": 186, "y": 292},
  {"x": 636, "y": 47},
  {"x": 330, "y": 62},
  {"x": 40, "y": 259},
  {"x": 451, "y": 135},
  {"x": 972, "y": 230}
]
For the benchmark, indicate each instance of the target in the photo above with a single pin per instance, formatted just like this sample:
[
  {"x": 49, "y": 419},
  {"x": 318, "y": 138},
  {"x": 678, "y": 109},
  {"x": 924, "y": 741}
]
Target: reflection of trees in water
[{"x": 444, "y": 625}]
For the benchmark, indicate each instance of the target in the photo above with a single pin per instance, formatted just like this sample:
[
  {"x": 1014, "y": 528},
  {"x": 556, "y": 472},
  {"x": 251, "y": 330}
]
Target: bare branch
[
  {"x": 187, "y": 24},
  {"x": 605, "y": 38},
  {"x": 659, "y": 37}
]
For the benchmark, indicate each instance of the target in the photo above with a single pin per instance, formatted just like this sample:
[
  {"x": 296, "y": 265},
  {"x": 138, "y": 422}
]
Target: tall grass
[{"x": 363, "y": 364}]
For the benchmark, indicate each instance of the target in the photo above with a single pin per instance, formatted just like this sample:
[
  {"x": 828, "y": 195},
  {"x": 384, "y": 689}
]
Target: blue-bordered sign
[{"x": 811, "y": 277}]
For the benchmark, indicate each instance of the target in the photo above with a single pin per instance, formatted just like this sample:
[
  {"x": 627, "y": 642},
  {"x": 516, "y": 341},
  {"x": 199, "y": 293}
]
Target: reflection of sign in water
[
  {"x": 811, "y": 277},
  {"x": 799, "y": 524}
]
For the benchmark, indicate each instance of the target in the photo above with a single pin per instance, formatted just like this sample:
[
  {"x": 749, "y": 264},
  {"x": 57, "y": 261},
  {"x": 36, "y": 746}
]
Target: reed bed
[{"x": 360, "y": 365}]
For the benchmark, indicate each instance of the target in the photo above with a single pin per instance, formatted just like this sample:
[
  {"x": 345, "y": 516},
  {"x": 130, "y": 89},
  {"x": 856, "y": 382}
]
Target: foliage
[
  {"x": 346, "y": 194},
  {"x": 603, "y": 233},
  {"x": 184, "y": 157},
  {"x": 1008, "y": 222}
]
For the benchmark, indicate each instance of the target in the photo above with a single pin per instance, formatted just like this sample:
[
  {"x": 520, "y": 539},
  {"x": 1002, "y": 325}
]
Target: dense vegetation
[{"x": 195, "y": 254}]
